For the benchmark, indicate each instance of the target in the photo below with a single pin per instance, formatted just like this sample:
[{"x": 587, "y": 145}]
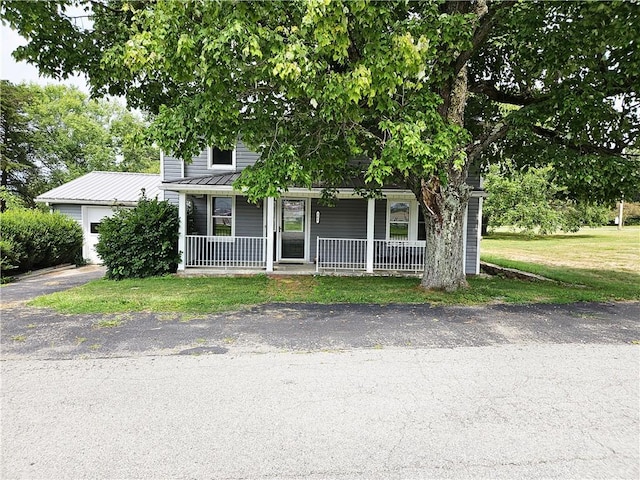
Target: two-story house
[{"x": 221, "y": 230}]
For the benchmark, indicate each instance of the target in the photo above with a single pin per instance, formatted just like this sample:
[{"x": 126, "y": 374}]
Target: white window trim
[
  {"x": 227, "y": 168},
  {"x": 210, "y": 216},
  {"x": 413, "y": 217}
]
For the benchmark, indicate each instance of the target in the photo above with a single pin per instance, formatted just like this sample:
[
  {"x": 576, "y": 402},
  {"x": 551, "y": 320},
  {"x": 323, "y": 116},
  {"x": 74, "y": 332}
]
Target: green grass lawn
[
  {"x": 591, "y": 266},
  {"x": 604, "y": 248},
  {"x": 597, "y": 265}
]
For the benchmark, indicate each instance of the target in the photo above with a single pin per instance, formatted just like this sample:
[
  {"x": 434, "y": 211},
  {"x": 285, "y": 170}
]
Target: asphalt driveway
[{"x": 39, "y": 283}]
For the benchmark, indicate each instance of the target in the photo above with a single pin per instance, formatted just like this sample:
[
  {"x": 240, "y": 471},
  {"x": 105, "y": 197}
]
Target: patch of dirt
[{"x": 293, "y": 286}]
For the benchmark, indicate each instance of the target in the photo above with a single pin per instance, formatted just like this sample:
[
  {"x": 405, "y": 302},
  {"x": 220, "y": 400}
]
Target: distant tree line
[
  {"x": 53, "y": 134},
  {"x": 532, "y": 200}
]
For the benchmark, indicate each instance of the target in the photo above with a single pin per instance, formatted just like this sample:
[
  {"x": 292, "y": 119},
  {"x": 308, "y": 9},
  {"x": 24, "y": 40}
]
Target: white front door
[
  {"x": 293, "y": 230},
  {"x": 91, "y": 218}
]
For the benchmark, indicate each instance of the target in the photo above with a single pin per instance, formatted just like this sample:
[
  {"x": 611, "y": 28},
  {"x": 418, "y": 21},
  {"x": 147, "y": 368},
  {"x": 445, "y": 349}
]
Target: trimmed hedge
[
  {"x": 34, "y": 239},
  {"x": 140, "y": 242}
]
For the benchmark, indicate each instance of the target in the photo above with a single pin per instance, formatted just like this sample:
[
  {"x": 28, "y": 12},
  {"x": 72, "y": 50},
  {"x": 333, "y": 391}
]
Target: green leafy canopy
[
  {"x": 54, "y": 134},
  {"x": 416, "y": 89}
]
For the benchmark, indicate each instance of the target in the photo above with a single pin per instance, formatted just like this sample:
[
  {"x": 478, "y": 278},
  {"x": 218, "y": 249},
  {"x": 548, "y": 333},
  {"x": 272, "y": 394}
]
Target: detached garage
[{"x": 96, "y": 195}]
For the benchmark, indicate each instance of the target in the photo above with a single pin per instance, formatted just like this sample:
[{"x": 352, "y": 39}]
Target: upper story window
[
  {"x": 405, "y": 220},
  {"x": 221, "y": 159}
]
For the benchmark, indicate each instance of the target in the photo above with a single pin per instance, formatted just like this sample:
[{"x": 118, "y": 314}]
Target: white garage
[
  {"x": 90, "y": 198},
  {"x": 91, "y": 218}
]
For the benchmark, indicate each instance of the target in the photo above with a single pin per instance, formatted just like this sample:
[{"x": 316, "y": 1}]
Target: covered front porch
[
  {"x": 297, "y": 233},
  {"x": 332, "y": 255}
]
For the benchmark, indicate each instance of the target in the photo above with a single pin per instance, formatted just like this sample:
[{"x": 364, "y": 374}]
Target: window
[
  {"x": 222, "y": 216},
  {"x": 405, "y": 220},
  {"x": 399, "y": 219},
  {"x": 221, "y": 159}
]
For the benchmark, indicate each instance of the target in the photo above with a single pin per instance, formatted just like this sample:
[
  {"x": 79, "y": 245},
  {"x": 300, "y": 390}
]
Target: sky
[{"x": 18, "y": 72}]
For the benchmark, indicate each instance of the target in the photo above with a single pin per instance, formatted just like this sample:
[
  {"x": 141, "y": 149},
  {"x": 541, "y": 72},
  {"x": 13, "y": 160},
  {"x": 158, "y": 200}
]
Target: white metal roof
[{"x": 104, "y": 188}]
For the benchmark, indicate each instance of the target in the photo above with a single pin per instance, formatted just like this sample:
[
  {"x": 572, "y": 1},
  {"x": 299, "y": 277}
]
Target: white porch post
[
  {"x": 371, "y": 213},
  {"x": 182, "y": 237},
  {"x": 480, "y": 200},
  {"x": 271, "y": 207},
  {"x": 464, "y": 239}
]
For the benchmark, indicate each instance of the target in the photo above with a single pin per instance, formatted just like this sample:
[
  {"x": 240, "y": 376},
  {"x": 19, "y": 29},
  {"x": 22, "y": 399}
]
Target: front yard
[{"x": 594, "y": 265}]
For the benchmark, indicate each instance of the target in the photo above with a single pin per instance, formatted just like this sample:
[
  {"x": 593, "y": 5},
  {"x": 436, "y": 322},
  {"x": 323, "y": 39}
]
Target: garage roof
[{"x": 104, "y": 188}]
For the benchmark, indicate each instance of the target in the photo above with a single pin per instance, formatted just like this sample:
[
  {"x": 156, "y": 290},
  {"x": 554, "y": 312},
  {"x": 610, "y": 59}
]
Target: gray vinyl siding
[
  {"x": 73, "y": 211},
  {"x": 348, "y": 219},
  {"x": 171, "y": 197},
  {"x": 472, "y": 236},
  {"x": 199, "y": 165},
  {"x": 249, "y": 218},
  {"x": 172, "y": 167},
  {"x": 380, "y": 220},
  {"x": 473, "y": 179},
  {"x": 244, "y": 157}
]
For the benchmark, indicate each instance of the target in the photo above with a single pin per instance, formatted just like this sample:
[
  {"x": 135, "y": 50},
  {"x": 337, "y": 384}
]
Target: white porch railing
[
  {"x": 401, "y": 255},
  {"x": 225, "y": 252},
  {"x": 351, "y": 254},
  {"x": 341, "y": 254}
]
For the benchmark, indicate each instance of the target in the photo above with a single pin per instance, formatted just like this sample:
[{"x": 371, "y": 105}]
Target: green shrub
[
  {"x": 140, "y": 242},
  {"x": 35, "y": 239},
  {"x": 8, "y": 256}
]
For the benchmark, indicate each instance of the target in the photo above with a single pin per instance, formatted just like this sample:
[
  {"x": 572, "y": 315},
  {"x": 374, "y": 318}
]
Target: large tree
[
  {"x": 417, "y": 88},
  {"x": 53, "y": 134}
]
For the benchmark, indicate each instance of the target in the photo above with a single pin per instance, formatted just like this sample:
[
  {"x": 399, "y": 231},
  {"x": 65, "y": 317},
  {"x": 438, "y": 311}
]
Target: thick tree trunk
[
  {"x": 444, "y": 203},
  {"x": 444, "y": 254}
]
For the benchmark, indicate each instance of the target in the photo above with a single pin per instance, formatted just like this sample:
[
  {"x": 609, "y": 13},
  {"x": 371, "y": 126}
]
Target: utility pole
[{"x": 620, "y": 213}]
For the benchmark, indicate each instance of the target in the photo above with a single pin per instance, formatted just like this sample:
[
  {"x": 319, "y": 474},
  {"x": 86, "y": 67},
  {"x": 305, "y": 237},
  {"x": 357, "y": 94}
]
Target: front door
[{"x": 292, "y": 230}]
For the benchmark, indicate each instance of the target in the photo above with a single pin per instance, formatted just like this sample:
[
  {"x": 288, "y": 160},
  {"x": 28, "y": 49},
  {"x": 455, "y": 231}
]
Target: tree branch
[
  {"x": 486, "y": 15},
  {"x": 498, "y": 131},
  {"x": 490, "y": 91},
  {"x": 557, "y": 138}
]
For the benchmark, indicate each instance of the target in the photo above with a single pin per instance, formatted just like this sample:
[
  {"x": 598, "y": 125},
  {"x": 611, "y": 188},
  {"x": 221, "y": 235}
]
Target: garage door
[{"x": 92, "y": 216}]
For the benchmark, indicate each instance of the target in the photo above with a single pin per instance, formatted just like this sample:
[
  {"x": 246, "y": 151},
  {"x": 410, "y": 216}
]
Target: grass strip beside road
[
  {"x": 593, "y": 265},
  {"x": 204, "y": 295}
]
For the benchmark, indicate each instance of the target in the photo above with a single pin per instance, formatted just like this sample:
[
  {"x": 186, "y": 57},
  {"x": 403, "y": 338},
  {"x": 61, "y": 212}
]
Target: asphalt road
[{"x": 297, "y": 391}]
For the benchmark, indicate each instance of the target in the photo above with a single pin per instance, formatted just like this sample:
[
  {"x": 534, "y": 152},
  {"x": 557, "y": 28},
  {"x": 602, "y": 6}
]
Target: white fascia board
[
  {"x": 345, "y": 193},
  {"x": 187, "y": 188},
  {"x": 104, "y": 203}
]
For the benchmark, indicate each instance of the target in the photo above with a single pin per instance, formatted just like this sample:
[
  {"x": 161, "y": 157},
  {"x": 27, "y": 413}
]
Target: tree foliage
[
  {"x": 17, "y": 167},
  {"x": 417, "y": 88},
  {"x": 53, "y": 134},
  {"x": 530, "y": 201}
]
